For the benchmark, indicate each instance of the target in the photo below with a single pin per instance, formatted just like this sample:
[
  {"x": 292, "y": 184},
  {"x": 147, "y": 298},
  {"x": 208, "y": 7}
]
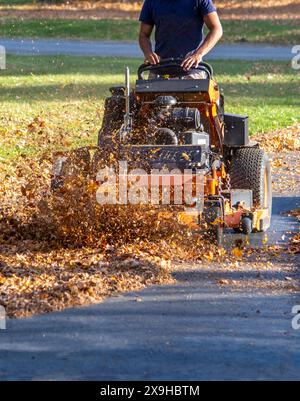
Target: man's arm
[
  {"x": 146, "y": 45},
  {"x": 215, "y": 33}
]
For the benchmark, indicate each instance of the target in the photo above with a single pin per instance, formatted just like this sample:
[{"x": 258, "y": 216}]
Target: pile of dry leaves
[
  {"x": 295, "y": 240},
  {"x": 282, "y": 140},
  {"x": 283, "y": 146}
]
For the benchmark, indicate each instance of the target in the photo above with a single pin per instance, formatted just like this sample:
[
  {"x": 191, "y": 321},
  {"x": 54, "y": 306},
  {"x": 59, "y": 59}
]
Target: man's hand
[
  {"x": 192, "y": 59},
  {"x": 146, "y": 46},
  {"x": 152, "y": 58}
]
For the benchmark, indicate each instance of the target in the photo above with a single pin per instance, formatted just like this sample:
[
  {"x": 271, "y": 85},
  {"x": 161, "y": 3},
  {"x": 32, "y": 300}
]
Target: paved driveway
[{"x": 125, "y": 49}]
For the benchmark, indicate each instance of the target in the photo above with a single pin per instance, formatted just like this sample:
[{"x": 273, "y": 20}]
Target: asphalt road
[
  {"x": 127, "y": 49},
  {"x": 194, "y": 330}
]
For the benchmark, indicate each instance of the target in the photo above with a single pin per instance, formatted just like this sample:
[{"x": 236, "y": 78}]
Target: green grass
[
  {"x": 75, "y": 29},
  {"x": 269, "y": 31},
  {"x": 266, "y": 31},
  {"x": 65, "y": 95}
]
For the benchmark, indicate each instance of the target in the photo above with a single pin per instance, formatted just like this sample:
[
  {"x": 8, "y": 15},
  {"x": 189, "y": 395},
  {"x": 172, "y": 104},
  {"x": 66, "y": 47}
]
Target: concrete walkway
[{"x": 125, "y": 49}]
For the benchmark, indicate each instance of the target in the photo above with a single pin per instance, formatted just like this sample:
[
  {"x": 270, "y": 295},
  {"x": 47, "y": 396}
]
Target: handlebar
[{"x": 174, "y": 63}]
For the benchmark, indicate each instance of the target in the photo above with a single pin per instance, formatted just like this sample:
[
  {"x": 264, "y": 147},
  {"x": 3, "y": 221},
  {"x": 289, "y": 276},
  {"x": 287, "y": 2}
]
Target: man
[{"x": 179, "y": 30}]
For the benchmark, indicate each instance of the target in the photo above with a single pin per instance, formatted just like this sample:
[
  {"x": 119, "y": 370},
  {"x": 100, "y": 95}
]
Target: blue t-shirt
[{"x": 178, "y": 24}]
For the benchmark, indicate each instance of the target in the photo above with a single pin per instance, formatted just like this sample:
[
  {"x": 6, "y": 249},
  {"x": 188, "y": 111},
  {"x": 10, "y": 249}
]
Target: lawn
[
  {"x": 52, "y": 103},
  {"x": 267, "y": 31}
]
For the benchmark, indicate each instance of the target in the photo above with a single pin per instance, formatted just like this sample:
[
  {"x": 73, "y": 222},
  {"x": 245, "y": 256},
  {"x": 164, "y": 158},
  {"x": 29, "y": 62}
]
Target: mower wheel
[
  {"x": 213, "y": 218},
  {"x": 246, "y": 225},
  {"x": 250, "y": 169},
  {"x": 217, "y": 232}
]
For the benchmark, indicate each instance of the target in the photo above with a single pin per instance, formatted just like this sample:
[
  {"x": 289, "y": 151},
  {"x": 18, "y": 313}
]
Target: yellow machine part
[{"x": 258, "y": 215}]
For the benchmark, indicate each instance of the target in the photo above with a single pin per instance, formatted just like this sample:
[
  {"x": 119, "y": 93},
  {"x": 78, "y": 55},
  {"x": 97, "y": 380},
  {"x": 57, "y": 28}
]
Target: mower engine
[
  {"x": 177, "y": 118},
  {"x": 178, "y": 132}
]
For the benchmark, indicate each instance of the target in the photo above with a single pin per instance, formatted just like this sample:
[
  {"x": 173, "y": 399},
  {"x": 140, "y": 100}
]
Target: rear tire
[{"x": 250, "y": 169}]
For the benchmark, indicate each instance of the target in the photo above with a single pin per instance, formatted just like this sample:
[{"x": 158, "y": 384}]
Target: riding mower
[{"x": 170, "y": 121}]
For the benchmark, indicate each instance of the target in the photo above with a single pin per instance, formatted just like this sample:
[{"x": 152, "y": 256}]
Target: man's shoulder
[{"x": 201, "y": 3}]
